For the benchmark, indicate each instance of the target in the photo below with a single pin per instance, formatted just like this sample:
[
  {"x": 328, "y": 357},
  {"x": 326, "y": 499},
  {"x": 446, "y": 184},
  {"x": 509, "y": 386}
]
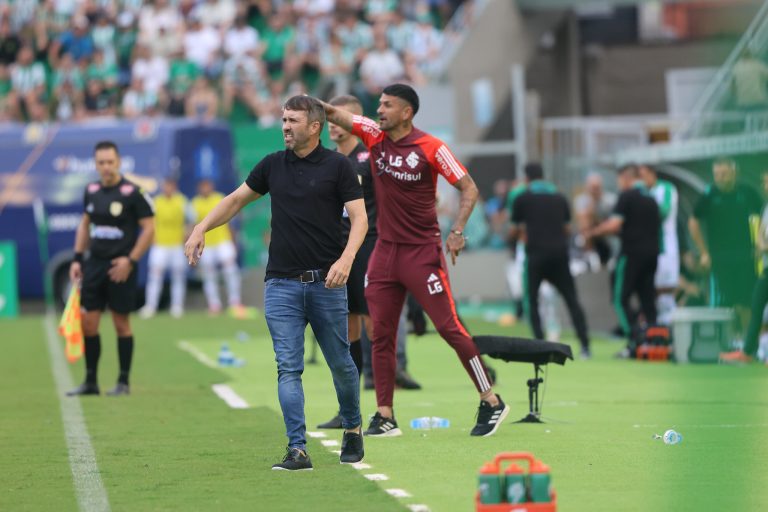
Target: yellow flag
[{"x": 71, "y": 327}]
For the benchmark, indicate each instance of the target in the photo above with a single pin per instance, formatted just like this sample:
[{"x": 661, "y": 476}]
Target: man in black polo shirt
[
  {"x": 724, "y": 211},
  {"x": 636, "y": 216},
  {"x": 115, "y": 211},
  {"x": 308, "y": 267},
  {"x": 541, "y": 216}
]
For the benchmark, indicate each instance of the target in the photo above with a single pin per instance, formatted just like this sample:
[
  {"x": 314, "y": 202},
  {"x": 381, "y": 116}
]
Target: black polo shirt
[
  {"x": 725, "y": 218},
  {"x": 641, "y": 227},
  {"x": 308, "y": 196},
  {"x": 114, "y": 213},
  {"x": 545, "y": 213},
  {"x": 361, "y": 163}
]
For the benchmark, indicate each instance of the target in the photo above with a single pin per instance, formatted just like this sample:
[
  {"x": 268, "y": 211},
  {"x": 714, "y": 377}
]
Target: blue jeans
[{"x": 289, "y": 305}]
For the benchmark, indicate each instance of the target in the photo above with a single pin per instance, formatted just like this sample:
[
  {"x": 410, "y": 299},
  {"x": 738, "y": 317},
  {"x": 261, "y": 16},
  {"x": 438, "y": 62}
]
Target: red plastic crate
[
  {"x": 517, "y": 507},
  {"x": 550, "y": 506}
]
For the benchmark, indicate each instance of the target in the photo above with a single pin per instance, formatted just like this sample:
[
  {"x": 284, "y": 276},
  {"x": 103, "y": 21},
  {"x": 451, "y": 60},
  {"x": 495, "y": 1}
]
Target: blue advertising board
[{"x": 54, "y": 163}]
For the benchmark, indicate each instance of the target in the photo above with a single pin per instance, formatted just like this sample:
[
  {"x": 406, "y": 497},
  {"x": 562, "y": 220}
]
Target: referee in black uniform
[
  {"x": 636, "y": 216},
  {"x": 541, "y": 217},
  {"x": 117, "y": 228}
]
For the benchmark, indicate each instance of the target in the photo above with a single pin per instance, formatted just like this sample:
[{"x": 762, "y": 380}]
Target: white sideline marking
[
  {"x": 336, "y": 452},
  {"x": 316, "y": 434},
  {"x": 361, "y": 465},
  {"x": 376, "y": 477},
  {"x": 418, "y": 508},
  {"x": 329, "y": 443},
  {"x": 89, "y": 489},
  {"x": 227, "y": 394},
  {"x": 398, "y": 493},
  {"x": 197, "y": 354}
]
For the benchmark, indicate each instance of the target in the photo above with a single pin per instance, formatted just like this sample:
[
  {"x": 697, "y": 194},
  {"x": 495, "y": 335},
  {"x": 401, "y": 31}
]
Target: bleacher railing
[{"x": 715, "y": 96}]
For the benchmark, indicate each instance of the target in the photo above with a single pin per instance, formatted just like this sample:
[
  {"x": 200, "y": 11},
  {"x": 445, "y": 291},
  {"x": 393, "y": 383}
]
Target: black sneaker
[
  {"x": 334, "y": 422},
  {"x": 405, "y": 381},
  {"x": 351, "y": 448},
  {"x": 489, "y": 418},
  {"x": 86, "y": 388},
  {"x": 383, "y": 427},
  {"x": 294, "y": 460},
  {"x": 120, "y": 389}
]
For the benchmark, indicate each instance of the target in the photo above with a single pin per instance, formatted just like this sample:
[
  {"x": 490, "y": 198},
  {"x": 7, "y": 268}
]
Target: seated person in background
[
  {"x": 202, "y": 102},
  {"x": 244, "y": 80},
  {"x": 138, "y": 101},
  {"x": 592, "y": 207},
  {"x": 98, "y": 101}
]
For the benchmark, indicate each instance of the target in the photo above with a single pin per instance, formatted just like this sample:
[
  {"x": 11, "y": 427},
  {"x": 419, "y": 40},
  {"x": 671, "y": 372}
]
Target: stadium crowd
[{"x": 72, "y": 60}]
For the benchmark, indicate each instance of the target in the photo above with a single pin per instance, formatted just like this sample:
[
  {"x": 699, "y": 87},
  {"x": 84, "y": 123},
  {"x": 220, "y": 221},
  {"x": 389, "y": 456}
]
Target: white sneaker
[
  {"x": 146, "y": 312},
  {"x": 177, "y": 311}
]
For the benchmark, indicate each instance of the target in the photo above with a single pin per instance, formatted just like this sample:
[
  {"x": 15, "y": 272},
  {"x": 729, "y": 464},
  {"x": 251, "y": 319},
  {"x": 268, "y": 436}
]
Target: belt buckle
[{"x": 308, "y": 276}]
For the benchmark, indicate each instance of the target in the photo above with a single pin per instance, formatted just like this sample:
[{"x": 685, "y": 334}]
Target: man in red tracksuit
[{"x": 408, "y": 257}]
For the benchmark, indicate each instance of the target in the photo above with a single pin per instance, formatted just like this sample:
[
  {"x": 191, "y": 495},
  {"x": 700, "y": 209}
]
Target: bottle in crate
[
  {"x": 540, "y": 482},
  {"x": 514, "y": 484},
  {"x": 489, "y": 484}
]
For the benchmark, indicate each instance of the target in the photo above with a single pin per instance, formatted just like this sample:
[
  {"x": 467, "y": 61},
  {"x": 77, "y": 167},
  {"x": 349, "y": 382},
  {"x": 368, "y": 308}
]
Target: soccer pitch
[{"x": 175, "y": 445}]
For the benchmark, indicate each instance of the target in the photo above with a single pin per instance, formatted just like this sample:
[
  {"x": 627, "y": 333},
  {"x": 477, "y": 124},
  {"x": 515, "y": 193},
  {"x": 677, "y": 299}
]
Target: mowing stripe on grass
[
  {"x": 197, "y": 354},
  {"x": 223, "y": 391},
  {"x": 90, "y": 491},
  {"x": 227, "y": 394}
]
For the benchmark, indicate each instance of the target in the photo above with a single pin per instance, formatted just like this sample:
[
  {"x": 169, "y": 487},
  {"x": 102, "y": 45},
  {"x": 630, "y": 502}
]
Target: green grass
[{"x": 173, "y": 445}]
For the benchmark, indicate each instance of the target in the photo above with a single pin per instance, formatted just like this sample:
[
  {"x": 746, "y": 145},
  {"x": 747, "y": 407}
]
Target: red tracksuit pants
[{"x": 393, "y": 270}]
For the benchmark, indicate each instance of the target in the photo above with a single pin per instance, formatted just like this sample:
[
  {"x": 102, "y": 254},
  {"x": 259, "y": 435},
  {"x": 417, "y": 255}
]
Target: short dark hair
[
  {"x": 628, "y": 168},
  {"x": 308, "y": 104},
  {"x": 345, "y": 99},
  {"x": 534, "y": 171},
  {"x": 106, "y": 144},
  {"x": 405, "y": 93},
  {"x": 724, "y": 160}
]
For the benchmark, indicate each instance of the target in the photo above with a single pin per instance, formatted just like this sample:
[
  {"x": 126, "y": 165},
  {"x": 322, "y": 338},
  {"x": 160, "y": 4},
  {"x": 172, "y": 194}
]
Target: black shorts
[
  {"x": 98, "y": 290},
  {"x": 356, "y": 281},
  {"x": 733, "y": 282}
]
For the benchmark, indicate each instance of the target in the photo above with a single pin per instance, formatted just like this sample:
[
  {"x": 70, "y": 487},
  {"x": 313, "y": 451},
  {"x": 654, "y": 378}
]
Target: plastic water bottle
[
  {"x": 226, "y": 357},
  {"x": 489, "y": 484},
  {"x": 540, "y": 482},
  {"x": 514, "y": 484},
  {"x": 672, "y": 437},
  {"x": 427, "y": 422}
]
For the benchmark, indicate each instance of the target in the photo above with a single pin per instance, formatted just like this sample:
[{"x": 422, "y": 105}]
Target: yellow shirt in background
[
  {"x": 170, "y": 216},
  {"x": 202, "y": 207}
]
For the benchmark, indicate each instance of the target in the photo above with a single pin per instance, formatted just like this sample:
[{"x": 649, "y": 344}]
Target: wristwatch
[{"x": 457, "y": 232}]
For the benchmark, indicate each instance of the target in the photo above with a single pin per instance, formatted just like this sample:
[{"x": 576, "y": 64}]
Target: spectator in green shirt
[
  {"x": 183, "y": 73},
  {"x": 5, "y": 89},
  {"x": 68, "y": 72},
  {"x": 279, "y": 41},
  {"x": 125, "y": 40},
  {"x": 102, "y": 70}
]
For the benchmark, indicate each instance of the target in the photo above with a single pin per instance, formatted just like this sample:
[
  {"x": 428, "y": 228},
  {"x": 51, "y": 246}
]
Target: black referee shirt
[
  {"x": 361, "y": 163},
  {"x": 308, "y": 196},
  {"x": 641, "y": 227},
  {"x": 545, "y": 213},
  {"x": 114, "y": 213}
]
